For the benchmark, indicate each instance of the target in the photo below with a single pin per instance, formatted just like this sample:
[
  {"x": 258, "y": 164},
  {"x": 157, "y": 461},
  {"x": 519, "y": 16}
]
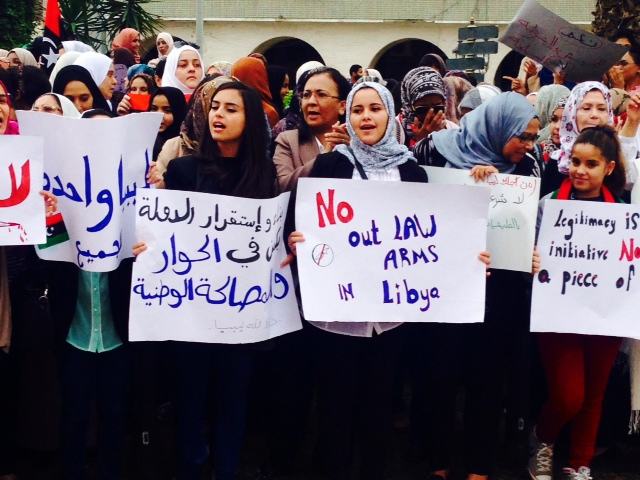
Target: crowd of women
[{"x": 237, "y": 129}]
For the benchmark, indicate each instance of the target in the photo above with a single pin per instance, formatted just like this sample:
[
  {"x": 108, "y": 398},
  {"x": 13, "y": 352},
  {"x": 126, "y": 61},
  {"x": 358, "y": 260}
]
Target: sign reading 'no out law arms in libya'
[
  {"x": 212, "y": 269},
  {"x": 513, "y": 209},
  {"x": 590, "y": 277},
  {"x": 94, "y": 167},
  {"x": 22, "y": 211},
  {"x": 391, "y": 251}
]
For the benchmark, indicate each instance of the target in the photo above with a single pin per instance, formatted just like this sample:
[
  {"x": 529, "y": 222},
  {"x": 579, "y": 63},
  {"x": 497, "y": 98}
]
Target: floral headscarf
[
  {"x": 195, "y": 122},
  {"x": 569, "y": 127}
]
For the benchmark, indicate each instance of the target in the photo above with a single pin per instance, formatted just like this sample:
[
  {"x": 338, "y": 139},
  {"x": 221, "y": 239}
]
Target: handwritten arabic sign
[
  {"x": 22, "y": 219},
  {"x": 550, "y": 40},
  {"x": 590, "y": 277},
  {"x": 94, "y": 167},
  {"x": 401, "y": 260},
  {"x": 513, "y": 209},
  {"x": 212, "y": 270}
]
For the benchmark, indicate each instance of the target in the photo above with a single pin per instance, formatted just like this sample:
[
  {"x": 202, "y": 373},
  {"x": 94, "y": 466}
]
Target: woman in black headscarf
[
  {"x": 75, "y": 83},
  {"x": 171, "y": 103},
  {"x": 278, "y": 81}
]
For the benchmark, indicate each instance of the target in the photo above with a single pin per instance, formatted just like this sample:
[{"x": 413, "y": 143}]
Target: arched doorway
[
  {"x": 288, "y": 52},
  {"x": 397, "y": 58},
  {"x": 509, "y": 66}
]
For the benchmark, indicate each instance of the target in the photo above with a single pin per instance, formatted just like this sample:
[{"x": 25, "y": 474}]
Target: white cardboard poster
[
  {"x": 212, "y": 269},
  {"x": 589, "y": 281},
  {"x": 22, "y": 210},
  {"x": 93, "y": 167},
  {"x": 391, "y": 251},
  {"x": 513, "y": 210}
]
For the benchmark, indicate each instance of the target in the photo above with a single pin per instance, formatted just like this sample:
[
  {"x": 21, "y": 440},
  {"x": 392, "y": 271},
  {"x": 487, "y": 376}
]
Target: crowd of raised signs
[{"x": 247, "y": 128}]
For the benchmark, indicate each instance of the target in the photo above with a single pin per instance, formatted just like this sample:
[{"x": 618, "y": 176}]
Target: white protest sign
[
  {"x": 212, "y": 269},
  {"x": 545, "y": 37},
  {"x": 94, "y": 168},
  {"x": 513, "y": 210},
  {"x": 22, "y": 210},
  {"x": 590, "y": 255},
  {"x": 391, "y": 251}
]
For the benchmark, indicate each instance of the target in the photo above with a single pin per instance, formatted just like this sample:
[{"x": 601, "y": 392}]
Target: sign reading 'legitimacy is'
[
  {"x": 590, "y": 277},
  {"x": 212, "y": 269},
  {"x": 391, "y": 251}
]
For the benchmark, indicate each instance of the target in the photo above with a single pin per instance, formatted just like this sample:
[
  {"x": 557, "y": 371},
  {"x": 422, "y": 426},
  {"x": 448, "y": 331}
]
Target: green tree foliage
[
  {"x": 18, "y": 20},
  {"x": 612, "y": 15},
  {"x": 96, "y": 22}
]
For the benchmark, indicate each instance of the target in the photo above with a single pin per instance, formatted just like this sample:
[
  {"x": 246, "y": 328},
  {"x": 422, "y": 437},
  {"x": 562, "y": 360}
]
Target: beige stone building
[{"x": 389, "y": 35}]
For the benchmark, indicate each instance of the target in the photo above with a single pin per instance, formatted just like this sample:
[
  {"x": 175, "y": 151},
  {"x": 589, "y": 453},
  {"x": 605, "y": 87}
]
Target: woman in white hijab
[
  {"x": 67, "y": 58},
  {"x": 21, "y": 57},
  {"x": 183, "y": 70},
  {"x": 164, "y": 44},
  {"x": 102, "y": 71},
  {"x": 55, "y": 104}
]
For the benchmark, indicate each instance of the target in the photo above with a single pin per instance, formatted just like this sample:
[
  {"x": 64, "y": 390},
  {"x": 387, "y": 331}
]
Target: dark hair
[
  {"x": 394, "y": 86},
  {"x": 160, "y": 67},
  {"x": 344, "y": 87},
  {"x": 151, "y": 83},
  {"x": 255, "y": 169},
  {"x": 26, "y": 85},
  {"x": 354, "y": 68},
  {"x": 634, "y": 44},
  {"x": 606, "y": 140},
  {"x": 434, "y": 61},
  {"x": 276, "y": 76},
  {"x": 96, "y": 112}
]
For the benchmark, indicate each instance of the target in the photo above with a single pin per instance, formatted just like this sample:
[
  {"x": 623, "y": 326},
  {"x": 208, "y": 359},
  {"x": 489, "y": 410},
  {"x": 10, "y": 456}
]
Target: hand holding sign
[{"x": 540, "y": 34}]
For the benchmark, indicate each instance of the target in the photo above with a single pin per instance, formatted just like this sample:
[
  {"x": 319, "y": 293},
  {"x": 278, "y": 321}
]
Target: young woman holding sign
[
  {"x": 577, "y": 367},
  {"x": 232, "y": 160},
  {"x": 355, "y": 385}
]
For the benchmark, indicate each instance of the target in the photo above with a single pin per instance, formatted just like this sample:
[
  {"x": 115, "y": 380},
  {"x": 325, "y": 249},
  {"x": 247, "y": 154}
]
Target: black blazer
[
  {"x": 336, "y": 165},
  {"x": 63, "y": 296}
]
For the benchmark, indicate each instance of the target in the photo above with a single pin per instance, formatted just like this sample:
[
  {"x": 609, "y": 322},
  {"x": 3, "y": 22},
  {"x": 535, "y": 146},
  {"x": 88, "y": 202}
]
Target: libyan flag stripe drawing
[{"x": 56, "y": 231}]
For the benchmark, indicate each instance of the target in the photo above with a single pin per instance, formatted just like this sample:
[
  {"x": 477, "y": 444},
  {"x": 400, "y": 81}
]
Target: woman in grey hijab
[{"x": 359, "y": 358}]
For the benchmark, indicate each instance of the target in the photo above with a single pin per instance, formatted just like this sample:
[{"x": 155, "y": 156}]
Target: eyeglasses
[
  {"x": 47, "y": 109},
  {"x": 421, "y": 112},
  {"x": 527, "y": 137},
  {"x": 320, "y": 95}
]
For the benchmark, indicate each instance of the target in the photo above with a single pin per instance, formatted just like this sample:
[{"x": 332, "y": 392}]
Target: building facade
[{"x": 387, "y": 35}]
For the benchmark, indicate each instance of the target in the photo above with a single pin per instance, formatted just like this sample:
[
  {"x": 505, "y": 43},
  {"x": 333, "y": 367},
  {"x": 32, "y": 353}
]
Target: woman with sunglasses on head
[{"x": 322, "y": 100}]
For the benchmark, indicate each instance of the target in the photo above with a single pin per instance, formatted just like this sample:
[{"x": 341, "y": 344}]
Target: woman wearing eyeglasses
[
  {"x": 322, "y": 100},
  {"x": 495, "y": 137},
  {"x": 55, "y": 104},
  {"x": 423, "y": 105}
]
